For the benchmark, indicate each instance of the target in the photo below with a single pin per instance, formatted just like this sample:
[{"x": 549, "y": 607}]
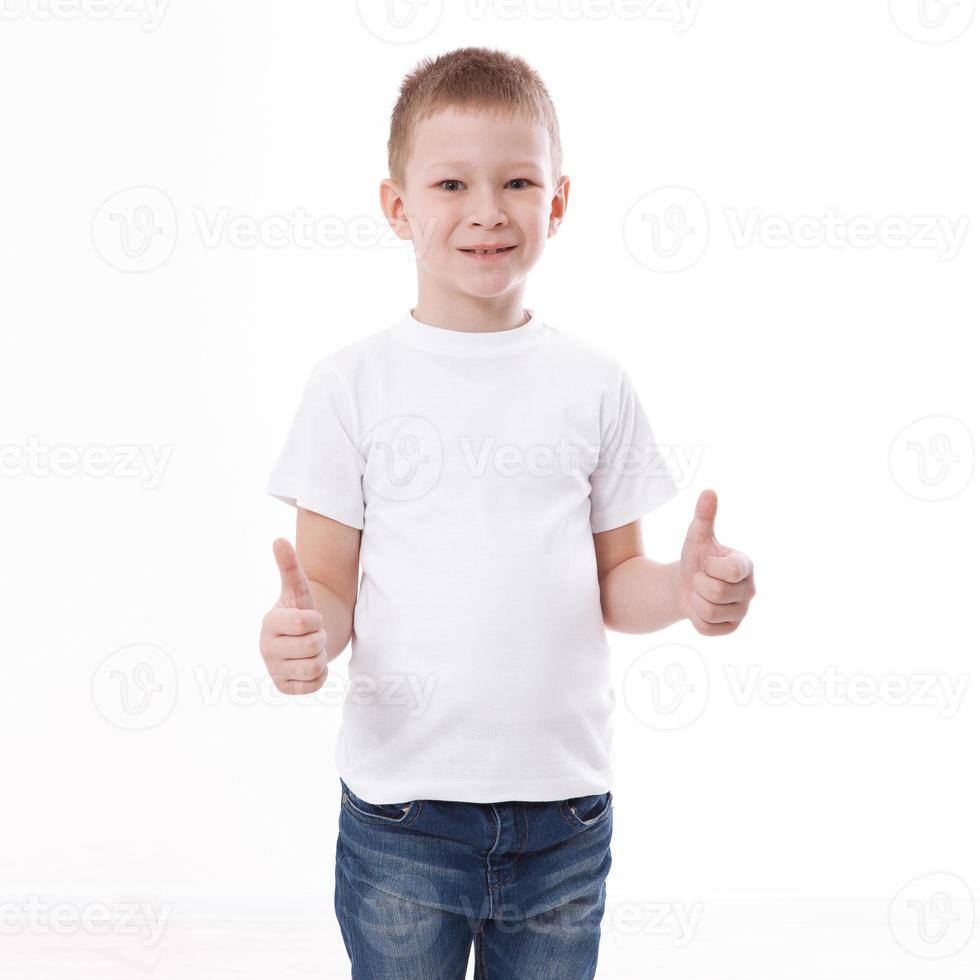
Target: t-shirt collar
[{"x": 480, "y": 343}]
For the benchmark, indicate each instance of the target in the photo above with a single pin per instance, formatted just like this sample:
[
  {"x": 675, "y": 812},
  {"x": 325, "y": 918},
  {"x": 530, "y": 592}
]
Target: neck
[{"x": 472, "y": 318}]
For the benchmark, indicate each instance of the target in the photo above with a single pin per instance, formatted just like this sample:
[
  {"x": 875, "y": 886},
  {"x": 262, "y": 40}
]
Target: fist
[
  {"x": 293, "y": 641},
  {"x": 715, "y": 584}
]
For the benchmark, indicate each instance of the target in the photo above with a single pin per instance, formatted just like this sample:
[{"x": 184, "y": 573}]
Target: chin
[{"x": 486, "y": 291}]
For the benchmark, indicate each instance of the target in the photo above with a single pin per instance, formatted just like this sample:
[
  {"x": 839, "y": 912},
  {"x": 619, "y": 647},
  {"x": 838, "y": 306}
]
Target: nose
[{"x": 487, "y": 212}]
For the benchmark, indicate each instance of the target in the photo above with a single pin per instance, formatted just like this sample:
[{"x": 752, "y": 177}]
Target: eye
[{"x": 522, "y": 181}]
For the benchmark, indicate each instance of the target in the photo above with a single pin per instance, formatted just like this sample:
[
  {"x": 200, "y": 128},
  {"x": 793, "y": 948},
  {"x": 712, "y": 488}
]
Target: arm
[
  {"x": 638, "y": 595},
  {"x": 710, "y": 585},
  {"x": 328, "y": 552}
]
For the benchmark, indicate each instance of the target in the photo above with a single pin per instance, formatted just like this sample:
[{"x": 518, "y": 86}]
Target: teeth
[{"x": 487, "y": 251}]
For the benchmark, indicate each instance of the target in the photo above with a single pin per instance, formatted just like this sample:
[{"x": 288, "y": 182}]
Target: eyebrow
[{"x": 530, "y": 164}]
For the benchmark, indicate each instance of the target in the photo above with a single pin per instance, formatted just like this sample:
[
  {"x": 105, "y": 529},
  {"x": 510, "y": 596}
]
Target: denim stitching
[
  {"x": 367, "y": 818},
  {"x": 520, "y": 850},
  {"x": 579, "y": 824}
]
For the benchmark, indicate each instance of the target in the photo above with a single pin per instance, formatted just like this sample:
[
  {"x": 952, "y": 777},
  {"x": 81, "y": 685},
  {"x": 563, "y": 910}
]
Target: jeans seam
[
  {"x": 345, "y": 905},
  {"x": 481, "y": 961},
  {"x": 520, "y": 851}
]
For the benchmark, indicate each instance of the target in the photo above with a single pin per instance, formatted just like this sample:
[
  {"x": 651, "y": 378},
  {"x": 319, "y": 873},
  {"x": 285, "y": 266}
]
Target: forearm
[
  {"x": 338, "y": 617},
  {"x": 639, "y": 595}
]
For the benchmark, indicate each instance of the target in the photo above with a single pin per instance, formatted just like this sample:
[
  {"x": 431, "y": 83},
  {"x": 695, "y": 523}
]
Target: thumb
[
  {"x": 702, "y": 528},
  {"x": 296, "y": 592}
]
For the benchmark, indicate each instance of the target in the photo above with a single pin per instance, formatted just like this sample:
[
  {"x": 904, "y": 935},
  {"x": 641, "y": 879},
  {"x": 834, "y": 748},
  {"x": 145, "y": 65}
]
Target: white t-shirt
[{"x": 479, "y": 668}]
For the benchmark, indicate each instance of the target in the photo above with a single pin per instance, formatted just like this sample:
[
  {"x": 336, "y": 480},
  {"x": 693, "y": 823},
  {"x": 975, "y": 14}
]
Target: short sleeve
[
  {"x": 631, "y": 477},
  {"x": 320, "y": 466}
]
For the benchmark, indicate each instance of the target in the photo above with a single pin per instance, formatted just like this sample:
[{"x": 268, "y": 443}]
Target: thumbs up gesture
[
  {"x": 293, "y": 640},
  {"x": 715, "y": 583}
]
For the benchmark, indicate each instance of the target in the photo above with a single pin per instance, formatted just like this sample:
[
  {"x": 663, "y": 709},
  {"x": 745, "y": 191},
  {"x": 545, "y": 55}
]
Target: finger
[
  {"x": 719, "y": 592},
  {"x": 300, "y": 647},
  {"x": 293, "y": 622},
  {"x": 715, "y": 612},
  {"x": 301, "y": 670},
  {"x": 714, "y": 629},
  {"x": 295, "y": 587},
  {"x": 299, "y": 687},
  {"x": 733, "y": 567},
  {"x": 702, "y": 528}
]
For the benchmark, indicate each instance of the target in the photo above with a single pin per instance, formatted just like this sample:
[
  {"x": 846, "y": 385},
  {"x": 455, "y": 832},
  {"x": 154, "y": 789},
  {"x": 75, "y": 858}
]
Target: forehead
[{"x": 478, "y": 138}]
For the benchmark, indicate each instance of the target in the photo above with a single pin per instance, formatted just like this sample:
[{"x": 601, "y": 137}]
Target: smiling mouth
[{"x": 488, "y": 251}]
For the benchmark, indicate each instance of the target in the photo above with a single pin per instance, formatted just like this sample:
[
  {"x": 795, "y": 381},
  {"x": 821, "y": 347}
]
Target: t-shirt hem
[
  {"x": 529, "y": 790},
  {"x": 609, "y": 519}
]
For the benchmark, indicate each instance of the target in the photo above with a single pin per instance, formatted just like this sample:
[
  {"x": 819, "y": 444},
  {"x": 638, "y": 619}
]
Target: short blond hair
[{"x": 470, "y": 78}]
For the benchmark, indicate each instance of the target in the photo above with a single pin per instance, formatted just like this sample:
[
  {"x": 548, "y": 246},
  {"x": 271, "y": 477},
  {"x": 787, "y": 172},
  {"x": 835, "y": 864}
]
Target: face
[{"x": 475, "y": 179}]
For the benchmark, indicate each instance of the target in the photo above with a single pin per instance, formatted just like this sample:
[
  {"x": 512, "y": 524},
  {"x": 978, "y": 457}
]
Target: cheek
[
  {"x": 433, "y": 228},
  {"x": 534, "y": 220},
  {"x": 436, "y": 214},
  {"x": 536, "y": 234}
]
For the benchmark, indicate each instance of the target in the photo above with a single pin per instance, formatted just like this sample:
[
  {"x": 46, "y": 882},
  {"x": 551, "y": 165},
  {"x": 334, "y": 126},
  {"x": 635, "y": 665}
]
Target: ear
[
  {"x": 559, "y": 204},
  {"x": 393, "y": 206}
]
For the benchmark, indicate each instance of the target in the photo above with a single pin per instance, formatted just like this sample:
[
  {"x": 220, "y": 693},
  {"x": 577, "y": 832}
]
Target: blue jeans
[{"x": 418, "y": 883}]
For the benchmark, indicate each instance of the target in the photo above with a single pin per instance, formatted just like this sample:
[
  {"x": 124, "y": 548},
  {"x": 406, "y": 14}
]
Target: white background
[{"x": 794, "y": 831}]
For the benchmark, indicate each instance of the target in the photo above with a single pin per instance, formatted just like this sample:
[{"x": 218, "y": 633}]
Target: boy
[{"x": 489, "y": 473}]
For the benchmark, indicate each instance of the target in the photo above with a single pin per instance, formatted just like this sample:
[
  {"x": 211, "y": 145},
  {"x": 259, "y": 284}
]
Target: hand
[
  {"x": 715, "y": 584},
  {"x": 293, "y": 641}
]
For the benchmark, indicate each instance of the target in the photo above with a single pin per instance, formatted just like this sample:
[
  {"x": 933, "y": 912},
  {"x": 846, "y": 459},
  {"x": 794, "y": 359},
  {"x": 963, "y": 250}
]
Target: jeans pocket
[
  {"x": 388, "y": 813},
  {"x": 586, "y": 811}
]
